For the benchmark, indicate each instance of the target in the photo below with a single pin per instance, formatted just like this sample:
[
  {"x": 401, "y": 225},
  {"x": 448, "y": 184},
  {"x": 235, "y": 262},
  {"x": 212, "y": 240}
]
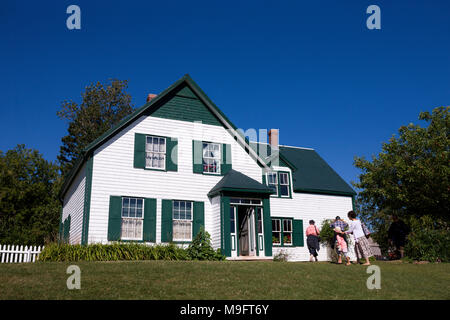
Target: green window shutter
[
  {"x": 115, "y": 218},
  {"x": 139, "y": 150},
  {"x": 166, "y": 221},
  {"x": 225, "y": 227},
  {"x": 267, "y": 228},
  {"x": 172, "y": 154},
  {"x": 197, "y": 156},
  {"x": 199, "y": 218},
  {"x": 226, "y": 159},
  {"x": 297, "y": 226},
  {"x": 264, "y": 179},
  {"x": 149, "y": 220}
]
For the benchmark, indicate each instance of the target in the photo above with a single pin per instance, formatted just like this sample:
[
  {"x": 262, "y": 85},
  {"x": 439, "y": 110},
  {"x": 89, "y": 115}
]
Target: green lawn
[{"x": 223, "y": 280}]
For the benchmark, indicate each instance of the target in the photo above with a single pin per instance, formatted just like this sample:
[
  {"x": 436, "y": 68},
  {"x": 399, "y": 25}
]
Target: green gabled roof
[
  {"x": 237, "y": 181},
  {"x": 264, "y": 150},
  {"x": 184, "y": 87},
  {"x": 313, "y": 174}
]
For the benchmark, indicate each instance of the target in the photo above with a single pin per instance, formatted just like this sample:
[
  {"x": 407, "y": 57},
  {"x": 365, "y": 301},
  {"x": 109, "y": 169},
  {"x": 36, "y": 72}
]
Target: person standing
[
  {"x": 397, "y": 234},
  {"x": 341, "y": 246},
  {"x": 362, "y": 245},
  {"x": 338, "y": 222},
  {"x": 312, "y": 241}
]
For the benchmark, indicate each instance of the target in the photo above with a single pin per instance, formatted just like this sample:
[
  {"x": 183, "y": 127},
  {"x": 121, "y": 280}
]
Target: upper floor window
[
  {"x": 211, "y": 157},
  {"x": 155, "y": 152},
  {"x": 284, "y": 184},
  {"x": 132, "y": 218},
  {"x": 182, "y": 221},
  {"x": 279, "y": 182},
  {"x": 272, "y": 181}
]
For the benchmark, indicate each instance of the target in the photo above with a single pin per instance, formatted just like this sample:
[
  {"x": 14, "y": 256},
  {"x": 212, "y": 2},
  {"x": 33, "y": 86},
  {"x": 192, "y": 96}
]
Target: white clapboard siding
[
  {"x": 19, "y": 254},
  {"x": 74, "y": 205},
  {"x": 114, "y": 174},
  {"x": 307, "y": 206}
]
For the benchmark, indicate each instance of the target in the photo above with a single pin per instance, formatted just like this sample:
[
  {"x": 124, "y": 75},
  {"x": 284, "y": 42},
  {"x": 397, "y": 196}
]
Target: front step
[{"x": 248, "y": 258}]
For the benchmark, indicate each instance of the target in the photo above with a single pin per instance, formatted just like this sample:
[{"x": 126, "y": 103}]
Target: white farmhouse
[{"x": 178, "y": 163}]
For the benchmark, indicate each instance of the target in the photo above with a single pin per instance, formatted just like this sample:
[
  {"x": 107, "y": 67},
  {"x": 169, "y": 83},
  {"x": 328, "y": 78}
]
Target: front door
[{"x": 247, "y": 237}]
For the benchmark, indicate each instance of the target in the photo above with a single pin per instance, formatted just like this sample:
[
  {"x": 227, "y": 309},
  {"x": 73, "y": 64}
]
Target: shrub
[
  {"x": 282, "y": 256},
  {"x": 201, "y": 249},
  {"x": 111, "y": 252},
  {"x": 429, "y": 240},
  {"x": 326, "y": 233}
]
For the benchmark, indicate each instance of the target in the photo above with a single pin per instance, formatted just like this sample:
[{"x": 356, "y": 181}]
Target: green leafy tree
[
  {"x": 29, "y": 207},
  {"x": 410, "y": 176},
  {"x": 102, "y": 107}
]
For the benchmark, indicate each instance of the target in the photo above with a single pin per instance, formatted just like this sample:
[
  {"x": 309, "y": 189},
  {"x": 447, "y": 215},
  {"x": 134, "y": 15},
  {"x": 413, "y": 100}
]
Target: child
[{"x": 341, "y": 246}]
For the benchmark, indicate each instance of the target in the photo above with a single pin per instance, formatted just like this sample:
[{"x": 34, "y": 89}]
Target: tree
[
  {"x": 102, "y": 107},
  {"x": 411, "y": 174},
  {"x": 410, "y": 177},
  {"x": 29, "y": 206}
]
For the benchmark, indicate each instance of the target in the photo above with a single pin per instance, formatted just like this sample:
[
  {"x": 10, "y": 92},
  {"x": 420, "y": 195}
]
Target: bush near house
[
  {"x": 200, "y": 249},
  {"x": 429, "y": 240}
]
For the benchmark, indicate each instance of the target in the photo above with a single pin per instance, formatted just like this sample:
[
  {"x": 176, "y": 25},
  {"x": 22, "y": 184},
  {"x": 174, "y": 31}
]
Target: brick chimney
[
  {"x": 273, "y": 138},
  {"x": 151, "y": 96}
]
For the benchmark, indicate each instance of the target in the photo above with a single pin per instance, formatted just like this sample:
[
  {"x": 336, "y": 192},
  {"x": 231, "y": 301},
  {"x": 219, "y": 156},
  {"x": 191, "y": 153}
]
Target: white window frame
[
  {"x": 285, "y": 184},
  {"x": 275, "y": 184},
  {"x": 182, "y": 220},
  {"x": 218, "y": 159},
  {"x": 134, "y": 219},
  {"x": 277, "y": 231},
  {"x": 287, "y": 232},
  {"x": 164, "y": 153}
]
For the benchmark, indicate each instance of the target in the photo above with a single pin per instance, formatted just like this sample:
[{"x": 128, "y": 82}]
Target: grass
[{"x": 223, "y": 280}]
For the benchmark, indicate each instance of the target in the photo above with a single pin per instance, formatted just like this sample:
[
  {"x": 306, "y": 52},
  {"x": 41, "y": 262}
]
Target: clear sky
[{"x": 310, "y": 68}]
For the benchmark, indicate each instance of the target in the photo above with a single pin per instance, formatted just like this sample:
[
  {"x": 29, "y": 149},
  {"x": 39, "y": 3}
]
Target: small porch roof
[{"x": 238, "y": 182}]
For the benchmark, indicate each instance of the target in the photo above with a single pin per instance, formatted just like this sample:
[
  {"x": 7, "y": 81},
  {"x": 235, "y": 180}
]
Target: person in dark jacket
[
  {"x": 312, "y": 240},
  {"x": 397, "y": 233}
]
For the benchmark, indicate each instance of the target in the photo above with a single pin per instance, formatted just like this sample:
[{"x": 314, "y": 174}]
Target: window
[
  {"x": 272, "y": 182},
  {"x": 232, "y": 220},
  {"x": 259, "y": 218},
  {"x": 276, "y": 231},
  {"x": 132, "y": 218},
  {"x": 287, "y": 232},
  {"x": 182, "y": 221},
  {"x": 245, "y": 201},
  {"x": 155, "y": 152},
  {"x": 211, "y": 157},
  {"x": 279, "y": 182},
  {"x": 284, "y": 184},
  {"x": 282, "y": 231}
]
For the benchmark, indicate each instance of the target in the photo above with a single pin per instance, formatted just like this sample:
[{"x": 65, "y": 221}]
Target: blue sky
[{"x": 310, "y": 68}]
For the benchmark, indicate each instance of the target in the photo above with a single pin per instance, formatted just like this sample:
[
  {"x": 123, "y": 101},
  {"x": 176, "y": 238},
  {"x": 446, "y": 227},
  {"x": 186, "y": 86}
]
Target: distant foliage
[
  {"x": 410, "y": 178},
  {"x": 102, "y": 107},
  {"x": 29, "y": 206},
  {"x": 112, "y": 252},
  {"x": 428, "y": 240},
  {"x": 201, "y": 249}
]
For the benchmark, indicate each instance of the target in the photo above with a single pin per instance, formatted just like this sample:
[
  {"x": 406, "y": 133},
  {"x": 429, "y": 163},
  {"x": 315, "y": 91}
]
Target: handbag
[
  {"x": 365, "y": 230},
  {"x": 318, "y": 234}
]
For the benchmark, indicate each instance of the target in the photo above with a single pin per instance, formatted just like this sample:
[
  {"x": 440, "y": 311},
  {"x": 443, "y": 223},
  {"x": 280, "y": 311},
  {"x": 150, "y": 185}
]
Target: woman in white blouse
[{"x": 361, "y": 243}]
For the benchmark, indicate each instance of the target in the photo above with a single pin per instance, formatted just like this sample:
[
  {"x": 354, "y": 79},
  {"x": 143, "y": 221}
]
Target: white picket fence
[{"x": 19, "y": 254}]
